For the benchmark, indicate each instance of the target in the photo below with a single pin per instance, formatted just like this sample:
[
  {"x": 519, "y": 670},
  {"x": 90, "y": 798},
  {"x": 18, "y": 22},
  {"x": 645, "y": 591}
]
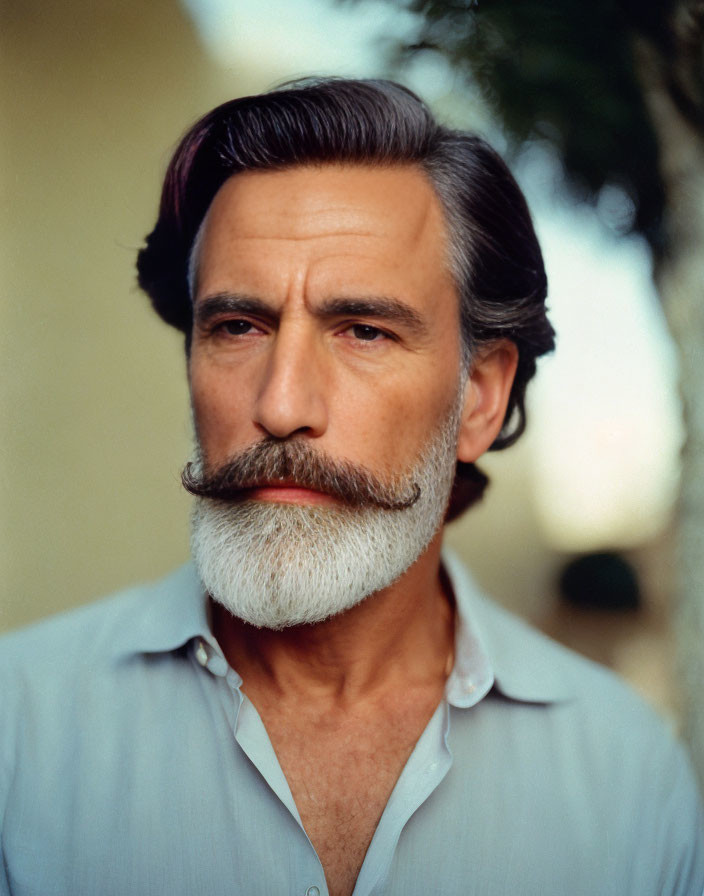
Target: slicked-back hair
[{"x": 493, "y": 252}]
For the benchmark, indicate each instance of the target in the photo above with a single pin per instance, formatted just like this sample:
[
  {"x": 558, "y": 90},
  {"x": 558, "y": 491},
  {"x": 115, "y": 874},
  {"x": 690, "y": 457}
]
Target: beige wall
[{"x": 94, "y": 409}]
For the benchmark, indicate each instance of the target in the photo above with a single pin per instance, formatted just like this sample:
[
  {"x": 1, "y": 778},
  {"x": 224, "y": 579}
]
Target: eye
[
  {"x": 235, "y": 327},
  {"x": 367, "y": 333}
]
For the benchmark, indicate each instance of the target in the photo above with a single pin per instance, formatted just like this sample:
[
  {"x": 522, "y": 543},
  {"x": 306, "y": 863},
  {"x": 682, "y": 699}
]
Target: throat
[{"x": 400, "y": 637}]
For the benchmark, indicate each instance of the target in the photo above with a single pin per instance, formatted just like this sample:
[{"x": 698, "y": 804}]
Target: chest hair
[{"x": 341, "y": 769}]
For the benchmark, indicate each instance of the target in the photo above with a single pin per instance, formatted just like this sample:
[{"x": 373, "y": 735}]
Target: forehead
[{"x": 385, "y": 218}]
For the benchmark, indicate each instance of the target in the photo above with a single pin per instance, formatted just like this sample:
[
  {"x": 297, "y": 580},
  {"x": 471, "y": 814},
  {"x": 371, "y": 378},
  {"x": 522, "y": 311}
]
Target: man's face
[
  {"x": 326, "y": 387},
  {"x": 324, "y": 311}
]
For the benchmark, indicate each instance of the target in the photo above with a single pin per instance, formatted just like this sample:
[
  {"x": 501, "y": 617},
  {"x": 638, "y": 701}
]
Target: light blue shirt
[{"x": 131, "y": 763}]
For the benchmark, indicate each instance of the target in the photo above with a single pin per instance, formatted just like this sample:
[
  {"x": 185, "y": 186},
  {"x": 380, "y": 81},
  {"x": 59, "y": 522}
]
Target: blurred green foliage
[{"x": 563, "y": 72}]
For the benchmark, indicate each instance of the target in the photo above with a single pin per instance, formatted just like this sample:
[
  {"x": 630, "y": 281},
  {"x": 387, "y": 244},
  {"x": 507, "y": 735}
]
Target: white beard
[{"x": 276, "y": 565}]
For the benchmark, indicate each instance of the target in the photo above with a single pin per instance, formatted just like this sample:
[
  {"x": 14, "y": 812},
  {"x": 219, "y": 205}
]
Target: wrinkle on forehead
[
  {"x": 286, "y": 210},
  {"x": 301, "y": 220}
]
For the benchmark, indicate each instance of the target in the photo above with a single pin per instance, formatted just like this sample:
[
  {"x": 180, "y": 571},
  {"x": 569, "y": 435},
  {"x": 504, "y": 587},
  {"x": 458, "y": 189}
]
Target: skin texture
[{"x": 324, "y": 310}]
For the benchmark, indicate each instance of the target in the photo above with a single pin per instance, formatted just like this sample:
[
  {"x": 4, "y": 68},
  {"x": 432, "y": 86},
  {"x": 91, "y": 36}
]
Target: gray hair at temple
[{"x": 493, "y": 251}]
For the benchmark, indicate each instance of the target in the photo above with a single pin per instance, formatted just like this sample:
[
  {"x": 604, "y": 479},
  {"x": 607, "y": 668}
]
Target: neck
[{"x": 403, "y": 633}]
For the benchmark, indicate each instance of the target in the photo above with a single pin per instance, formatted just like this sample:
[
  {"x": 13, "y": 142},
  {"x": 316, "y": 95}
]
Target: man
[{"x": 323, "y": 703}]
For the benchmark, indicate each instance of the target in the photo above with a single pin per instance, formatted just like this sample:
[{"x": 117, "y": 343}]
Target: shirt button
[
  {"x": 312, "y": 891},
  {"x": 201, "y": 654}
]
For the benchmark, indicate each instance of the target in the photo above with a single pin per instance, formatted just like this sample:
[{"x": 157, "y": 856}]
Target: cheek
[
  {"x": 219, "y": 409},
  {"x": 389, "y": 427}
]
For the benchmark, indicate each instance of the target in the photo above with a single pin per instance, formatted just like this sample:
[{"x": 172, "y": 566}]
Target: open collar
[{"x": 493, "y": 649}]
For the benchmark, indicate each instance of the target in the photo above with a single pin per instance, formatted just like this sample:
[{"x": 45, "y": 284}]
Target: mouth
[
  {"x": 292, "y": 473},
  {"x": 287, "y": 493}
]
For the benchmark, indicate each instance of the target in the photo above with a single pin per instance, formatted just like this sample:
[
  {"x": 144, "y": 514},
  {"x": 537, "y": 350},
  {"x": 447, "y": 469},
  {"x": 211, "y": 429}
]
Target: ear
[{"x": 486, "y": 396}]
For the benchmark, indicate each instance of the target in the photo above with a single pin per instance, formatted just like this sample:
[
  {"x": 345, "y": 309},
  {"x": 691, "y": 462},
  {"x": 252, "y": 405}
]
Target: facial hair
[{"x": 276, "y": 565}]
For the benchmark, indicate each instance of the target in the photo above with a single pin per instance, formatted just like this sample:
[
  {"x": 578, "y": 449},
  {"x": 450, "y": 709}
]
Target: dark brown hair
[{"x": 494, "y": 253}]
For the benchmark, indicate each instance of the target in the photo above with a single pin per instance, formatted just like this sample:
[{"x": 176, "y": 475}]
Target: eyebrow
[
  {"x": 382, "y": 308},
  {"x": 230, "y": 303}
]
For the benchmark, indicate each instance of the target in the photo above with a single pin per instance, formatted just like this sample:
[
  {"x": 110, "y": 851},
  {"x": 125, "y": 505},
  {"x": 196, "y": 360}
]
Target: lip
[{"x": 285, "y": 493}]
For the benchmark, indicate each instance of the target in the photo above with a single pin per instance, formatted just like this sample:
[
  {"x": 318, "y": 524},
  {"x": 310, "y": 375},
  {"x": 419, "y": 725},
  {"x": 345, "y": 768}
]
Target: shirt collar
[
  {"x": 495, "y": 649},
  {"x": 492, "y": 647},
  {"x": 171, "y": 613}
]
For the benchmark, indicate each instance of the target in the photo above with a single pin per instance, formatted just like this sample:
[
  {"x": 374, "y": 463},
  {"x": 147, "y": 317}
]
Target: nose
[{"x": 291, "y": 395}]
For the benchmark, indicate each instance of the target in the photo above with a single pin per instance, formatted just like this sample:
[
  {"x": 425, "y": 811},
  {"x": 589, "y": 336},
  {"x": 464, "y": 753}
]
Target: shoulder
[
  {"x": 596, "y": 704},
  {"x": 62, "y": 656},
  {"x": 65, "y": 675},
  {"x": 74, "y": 635},
  {"x": 584, "y": 752}
]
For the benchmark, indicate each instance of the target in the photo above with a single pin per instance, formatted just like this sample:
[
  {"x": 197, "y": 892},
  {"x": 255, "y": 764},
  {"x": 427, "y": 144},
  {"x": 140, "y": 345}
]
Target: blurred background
[{"x": 581, "y": 531}]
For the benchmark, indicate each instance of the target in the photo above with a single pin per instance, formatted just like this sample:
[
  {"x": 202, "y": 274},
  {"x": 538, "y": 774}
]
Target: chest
[{"x": 341, "y": 775}]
